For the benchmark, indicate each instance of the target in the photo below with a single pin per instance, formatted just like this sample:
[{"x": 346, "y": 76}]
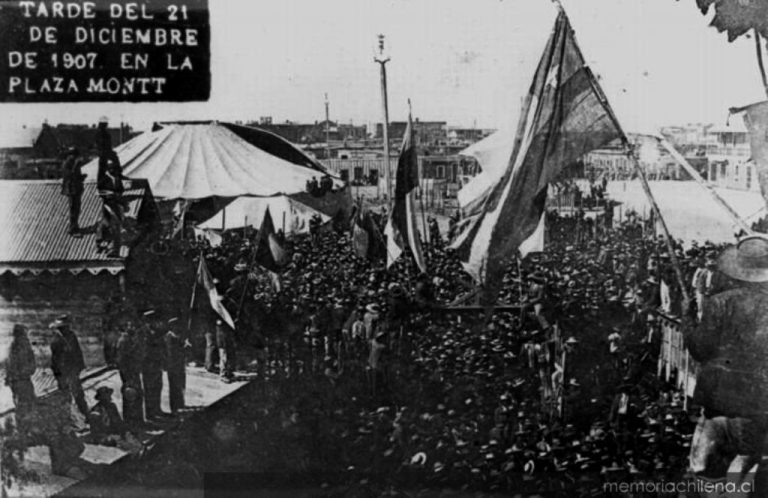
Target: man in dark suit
[
  {"x": 175, "y": 366},
  {"x": 67, "y": 362},
  {"x": 72, "y": 179},
  {"x": 152, "y": 368},
  {"x": 731, "y": 345},
  {"x": 109, "y": 181}
]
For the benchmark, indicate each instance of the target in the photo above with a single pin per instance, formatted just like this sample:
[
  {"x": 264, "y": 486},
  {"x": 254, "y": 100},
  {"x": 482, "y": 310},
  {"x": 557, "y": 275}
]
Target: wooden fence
[{"x": 675, "y": 363}]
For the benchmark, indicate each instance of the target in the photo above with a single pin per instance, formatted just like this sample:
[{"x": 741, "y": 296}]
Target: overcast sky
[{"x": 466, "y": 62}]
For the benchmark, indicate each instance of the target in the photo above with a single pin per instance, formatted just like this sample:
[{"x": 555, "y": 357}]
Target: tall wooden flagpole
[
  {"x": 382, "y": 60},
  {"x": 327, "y": 131}
]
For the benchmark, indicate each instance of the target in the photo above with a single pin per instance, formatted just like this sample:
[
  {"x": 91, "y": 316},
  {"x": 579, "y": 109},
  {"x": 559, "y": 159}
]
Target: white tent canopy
[
  {"x": 199, "y": 160},
  {"x": 249, "y": 211}
]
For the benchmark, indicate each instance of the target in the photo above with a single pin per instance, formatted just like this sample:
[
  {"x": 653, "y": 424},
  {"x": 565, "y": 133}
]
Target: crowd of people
[
  {"x": 559, "y": 393},
  {"x": 422, "y": 393}
]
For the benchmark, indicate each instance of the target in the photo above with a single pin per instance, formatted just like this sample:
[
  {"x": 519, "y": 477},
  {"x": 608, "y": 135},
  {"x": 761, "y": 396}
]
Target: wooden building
[{"x": 45, "y": 272}]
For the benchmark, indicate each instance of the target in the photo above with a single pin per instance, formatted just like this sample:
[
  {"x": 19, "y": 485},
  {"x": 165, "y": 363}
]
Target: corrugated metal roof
[{"x": 34, "y": 223}]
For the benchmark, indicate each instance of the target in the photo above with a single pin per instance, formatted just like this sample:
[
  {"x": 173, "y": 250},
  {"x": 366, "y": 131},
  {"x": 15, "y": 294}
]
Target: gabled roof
[
  {"x": 34, "y": 222},
  {"x": 208, "y": 159}
]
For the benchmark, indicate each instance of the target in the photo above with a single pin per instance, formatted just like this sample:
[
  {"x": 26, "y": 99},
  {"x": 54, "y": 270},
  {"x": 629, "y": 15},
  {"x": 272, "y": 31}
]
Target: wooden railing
[{"x": 675, "y": 363}]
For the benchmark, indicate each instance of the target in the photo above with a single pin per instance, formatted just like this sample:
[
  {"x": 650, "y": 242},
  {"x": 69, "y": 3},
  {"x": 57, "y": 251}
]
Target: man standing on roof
[
  {"x": 110, "y": 184},
  {"x": 731, "y": 345},
  {"x": 72, "y": 179}
]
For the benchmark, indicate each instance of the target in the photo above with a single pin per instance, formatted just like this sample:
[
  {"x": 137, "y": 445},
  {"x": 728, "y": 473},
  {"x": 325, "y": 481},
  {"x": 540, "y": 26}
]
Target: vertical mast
[{"x": 382, "y": 60}]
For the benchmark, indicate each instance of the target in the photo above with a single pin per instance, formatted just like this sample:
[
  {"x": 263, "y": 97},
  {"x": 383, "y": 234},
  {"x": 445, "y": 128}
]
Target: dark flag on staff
[
  {"x": 367, "y": 240},
  {"x": 564, "y": 116},
  {"x": 401, "y": 228},
  {"x": 269, "y": 250}
]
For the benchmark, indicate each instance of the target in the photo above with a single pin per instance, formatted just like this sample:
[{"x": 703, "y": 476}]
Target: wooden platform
[{"x": 203, "y": 390}]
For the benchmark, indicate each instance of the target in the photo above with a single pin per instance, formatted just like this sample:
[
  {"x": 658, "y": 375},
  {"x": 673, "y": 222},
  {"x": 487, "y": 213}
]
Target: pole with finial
[
  {"x": 327, "y": 131},
  {"x": 382, "y": 60}
]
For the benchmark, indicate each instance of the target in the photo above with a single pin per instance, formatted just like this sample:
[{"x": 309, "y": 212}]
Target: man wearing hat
[
  {"x": 104, "y": 419},
  {"x": 376, "y": 363},
  {"x": 175, "y": 366},
  {"x": 18, "y": 373},
  {"x": 72, "y": 179},
  {"x": 109, "y": 181},
  {"x": 152, "y": 369},
  {"x": 67, "y": 361},
  {"x": 371, "y": 319},
  {"x": 130, "y": 359},
  {"x": 731, "y": 345},
  {"x": 225, "y": 342}
]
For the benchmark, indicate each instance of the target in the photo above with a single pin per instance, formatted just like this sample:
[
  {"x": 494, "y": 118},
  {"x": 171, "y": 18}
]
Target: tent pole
[
  {"x": 427, "y": 235},
  {"x": 194, "y": 293},
  {"x": 224, "y": 219}
]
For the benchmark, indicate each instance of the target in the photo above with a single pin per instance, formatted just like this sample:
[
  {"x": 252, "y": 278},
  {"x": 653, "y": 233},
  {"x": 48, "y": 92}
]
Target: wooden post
[
  {"x": 685, "y": 381},
  {"x": 385, "y": 108}
]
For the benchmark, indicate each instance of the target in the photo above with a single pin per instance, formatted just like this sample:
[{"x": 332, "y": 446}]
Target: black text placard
[{"x": 104, "y": 51}]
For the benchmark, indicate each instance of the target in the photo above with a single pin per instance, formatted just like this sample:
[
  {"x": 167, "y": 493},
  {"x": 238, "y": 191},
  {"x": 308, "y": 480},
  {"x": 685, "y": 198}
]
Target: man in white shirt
[{"x": 699, "y": 284}]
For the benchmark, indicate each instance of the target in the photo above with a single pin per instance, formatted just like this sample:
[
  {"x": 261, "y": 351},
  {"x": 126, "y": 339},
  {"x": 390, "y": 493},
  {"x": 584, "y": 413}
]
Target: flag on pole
[
  {"x": 564, "y": 116},
  {"x": 269, "y": 251},
  {"x": 205, "y": 279},
  {"x": 401, "y": 230},
  {"x": 367, "y": 240}
]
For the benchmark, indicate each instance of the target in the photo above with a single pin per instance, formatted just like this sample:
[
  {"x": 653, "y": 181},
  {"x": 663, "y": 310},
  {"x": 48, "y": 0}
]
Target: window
[
  {"x": 722, "y": 170},
  {"x": 749, "y": 177},
  {"x": 440, "y": 172}
]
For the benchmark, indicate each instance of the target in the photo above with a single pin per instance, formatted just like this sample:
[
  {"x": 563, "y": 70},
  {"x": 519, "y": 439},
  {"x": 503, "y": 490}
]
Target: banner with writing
[{"x": 104, "y": 51}]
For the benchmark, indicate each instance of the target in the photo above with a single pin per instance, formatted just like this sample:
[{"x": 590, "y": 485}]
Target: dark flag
[
  {"x": 269, "y": 251},
  {"x": 367, "y": 240},
  {"x": 401, "y": 228},
  {"x": 564, "y": 116}
]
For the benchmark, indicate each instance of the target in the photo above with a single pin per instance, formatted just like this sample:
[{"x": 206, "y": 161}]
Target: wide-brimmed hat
[
  {"x": 373, "y": 308},
  {"x": 746, "y": 261}
]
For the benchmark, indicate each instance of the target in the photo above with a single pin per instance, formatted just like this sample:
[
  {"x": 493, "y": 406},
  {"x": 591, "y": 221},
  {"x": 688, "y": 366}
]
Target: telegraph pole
[
  {"x": 327, "y": 131},
  {"x": 382, "y": 60}
]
